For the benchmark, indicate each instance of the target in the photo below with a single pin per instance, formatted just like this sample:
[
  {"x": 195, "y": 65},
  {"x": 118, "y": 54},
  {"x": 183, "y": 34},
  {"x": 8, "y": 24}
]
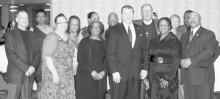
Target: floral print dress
[{"x": 62, "y": 53}]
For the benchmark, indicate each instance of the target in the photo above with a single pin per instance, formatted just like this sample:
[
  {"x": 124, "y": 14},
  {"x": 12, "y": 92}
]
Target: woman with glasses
[
  {"x": 164, "y": 59},
  {"x": 57, "y": 69}
]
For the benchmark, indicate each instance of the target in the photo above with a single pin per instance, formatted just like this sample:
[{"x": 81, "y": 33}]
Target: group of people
[{"x": 147, "y": 57}]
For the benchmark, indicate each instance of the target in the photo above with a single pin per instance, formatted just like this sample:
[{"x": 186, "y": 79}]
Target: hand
[
  {"x": 160, "y": 59},
  {"x": 163, "y": 83},
  {"x": 116, "y": 77},
  {"x": 101, "y": 74},
  {"x": 185, "y": 63},
  {"x": 146, "y": 82},
  {"x": 95, "y": 75},
  {"x": 143, "y": 74},
  {"x": 56, "y": 78},
  {"x": 30, "y": 71}
]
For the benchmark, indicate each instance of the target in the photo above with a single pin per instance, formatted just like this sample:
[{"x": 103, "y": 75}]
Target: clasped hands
[
  {"x": 185, "y": 63},
  {"x": 98, "y": 76},
  {"x": 117, "y": 77},
  {"x": 30, "y": 71}
]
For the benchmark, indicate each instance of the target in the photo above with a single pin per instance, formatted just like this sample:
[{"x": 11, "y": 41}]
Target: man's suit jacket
[
  {"x": 200, "y": 50},
  {"x": 122, "y": 57},
  {"x": 18, "y": 57}
]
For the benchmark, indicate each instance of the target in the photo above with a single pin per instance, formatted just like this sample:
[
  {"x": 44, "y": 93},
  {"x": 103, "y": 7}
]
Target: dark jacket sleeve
[
  {"x": 11, "y": 53},
  {"x": 36, "y": 51},
  {"x": 111, "y": 51}
]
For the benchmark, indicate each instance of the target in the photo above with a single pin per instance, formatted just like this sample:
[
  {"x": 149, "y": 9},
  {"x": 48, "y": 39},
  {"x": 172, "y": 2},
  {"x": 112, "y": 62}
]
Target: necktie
[
  {"x": 191, "y": 35},
  {"x": 129, "y": 34}
]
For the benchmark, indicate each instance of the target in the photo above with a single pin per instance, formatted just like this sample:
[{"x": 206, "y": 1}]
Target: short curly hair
[
  {"x": 166, "y": 19},
  {"x": 91, "y": 25}
]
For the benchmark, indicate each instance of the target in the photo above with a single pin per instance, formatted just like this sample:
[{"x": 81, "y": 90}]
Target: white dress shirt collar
[
  {"x": 132, "y": 31},
  {"x": 195, "y": 29}
]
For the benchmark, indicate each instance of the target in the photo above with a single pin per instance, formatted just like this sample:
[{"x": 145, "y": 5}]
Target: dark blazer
[
  {"x": 18, "y": 56},
  {"x": 122, "y": 57},
  {"x": 201, "y": 53},
  {"x": 40, "y": 36}
]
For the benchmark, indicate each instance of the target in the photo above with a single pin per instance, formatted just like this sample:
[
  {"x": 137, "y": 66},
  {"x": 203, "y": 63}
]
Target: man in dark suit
[
  {"x": 112, "y": 21},
  {"x": 22, "y": 58},
  {"x": 198, "y": 47},
  {"x": 124, "y": 52}
]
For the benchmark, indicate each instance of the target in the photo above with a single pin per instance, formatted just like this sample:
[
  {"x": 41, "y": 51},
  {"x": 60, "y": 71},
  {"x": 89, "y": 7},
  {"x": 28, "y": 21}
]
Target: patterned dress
[
  {"x": 169, "y": 50},
  {"x": 62, "y": 53}
]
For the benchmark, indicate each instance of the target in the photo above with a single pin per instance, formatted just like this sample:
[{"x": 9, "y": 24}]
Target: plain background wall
[{"x": 209, "y": 9}]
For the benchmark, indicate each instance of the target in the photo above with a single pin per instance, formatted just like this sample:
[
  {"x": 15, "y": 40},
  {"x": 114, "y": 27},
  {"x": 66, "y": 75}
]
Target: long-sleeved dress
[
  {"x": 169, "y": 50},
  {"x": 90, "y": 57}
]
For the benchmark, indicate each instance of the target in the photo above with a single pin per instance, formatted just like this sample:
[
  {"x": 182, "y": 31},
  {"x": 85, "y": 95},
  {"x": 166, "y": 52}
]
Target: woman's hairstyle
[
  {"x": 175, "y": 16},
  {"x": 167, "y": 20},
  {"x": 90, "y": 14},
  {"x": 59, "y": 15},
  {"x": 91, "y": 25},
  {"x": 71, "y": 18},
  {"x": 41, "y": 11}
]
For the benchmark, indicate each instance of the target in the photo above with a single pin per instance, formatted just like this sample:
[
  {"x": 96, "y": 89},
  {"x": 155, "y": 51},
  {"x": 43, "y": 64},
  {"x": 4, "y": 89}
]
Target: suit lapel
[
  {"x": 195, "y": 36},
  {"x": 20, "y": 43}
]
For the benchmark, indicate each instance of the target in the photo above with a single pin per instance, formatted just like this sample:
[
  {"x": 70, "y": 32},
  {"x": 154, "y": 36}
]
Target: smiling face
[
  {"x": 127, "y": 15},
  {"x": 175, "y": 22},
  {"x": 96, "y": 29},
  {"x": 22, "y": 19},
  {"x": 74, "y": 25},
  {"x": 94, "y": 17},
  {"x": 164, "y": 27},
  {"x": 147, "y": 12},
  {"x": 112, "y": 19},
  {"x": 41, "y": 18},
  {"x": 195, "y": 19},
  {"x": 61, "y": 23}
]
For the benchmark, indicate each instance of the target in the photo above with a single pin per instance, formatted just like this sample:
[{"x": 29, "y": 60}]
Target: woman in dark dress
[
  {"x": 164, "y": 58},
  {"x": 90, "y": 77}
]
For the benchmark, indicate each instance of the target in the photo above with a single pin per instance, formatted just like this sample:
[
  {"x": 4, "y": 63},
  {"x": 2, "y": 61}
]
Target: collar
[
  {"x": 195, "y": 29},
  {"x": 126, "y": 25},
  {"x": 147, "y": 22}
]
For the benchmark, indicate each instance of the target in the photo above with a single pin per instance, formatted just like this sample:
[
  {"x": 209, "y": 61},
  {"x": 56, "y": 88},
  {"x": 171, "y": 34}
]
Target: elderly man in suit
[
  {"x": 147, "y": 21},
  {"x": 124, "y": 52},
  {"x": 198, "y": 47},
  {"x": 151, "y": 31},
  {"x": 22, "y": 57}
]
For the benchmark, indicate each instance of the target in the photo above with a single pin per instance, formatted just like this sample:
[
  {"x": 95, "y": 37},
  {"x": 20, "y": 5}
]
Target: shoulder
[
  {"x": 139, "y": 21},
  {"x": 52, "y": 36},
  {"x": 84, "y": 41},
  {"x": 207, "y": 32}
]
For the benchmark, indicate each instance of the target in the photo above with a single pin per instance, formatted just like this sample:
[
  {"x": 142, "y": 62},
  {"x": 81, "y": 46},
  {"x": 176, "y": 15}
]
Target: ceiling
[{"x": 3, "y": 2}]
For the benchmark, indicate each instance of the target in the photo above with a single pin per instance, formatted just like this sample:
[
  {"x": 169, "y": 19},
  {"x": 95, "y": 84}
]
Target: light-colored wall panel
[{"x": 208, "y": 9}]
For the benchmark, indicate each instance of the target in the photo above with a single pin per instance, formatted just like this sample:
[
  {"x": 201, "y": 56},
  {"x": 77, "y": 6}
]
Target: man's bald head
[{"x": 112, "y": 19}]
